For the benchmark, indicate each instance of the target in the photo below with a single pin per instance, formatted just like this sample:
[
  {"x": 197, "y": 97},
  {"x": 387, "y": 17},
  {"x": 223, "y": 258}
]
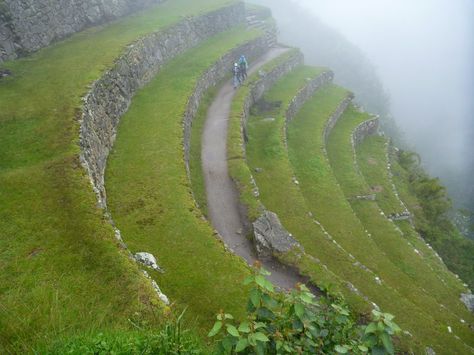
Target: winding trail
[{"x": 222, "y": 194}]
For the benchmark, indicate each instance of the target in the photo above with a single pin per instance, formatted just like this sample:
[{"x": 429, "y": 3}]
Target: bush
[{"x": 298, "y": 323}]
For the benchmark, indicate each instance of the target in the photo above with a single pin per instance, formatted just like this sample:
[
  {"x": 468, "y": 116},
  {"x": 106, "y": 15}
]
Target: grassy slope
[
  {"x": 195, "y": 161},
  {"x": 326, "y": 201},
  {"x": 238, "y": 168},
  {"x": 150, "y": 196},
  {"x": 385, "y": 235},
  {"x": 60, "y": 268},
  {"x": 372, "y": 157}
]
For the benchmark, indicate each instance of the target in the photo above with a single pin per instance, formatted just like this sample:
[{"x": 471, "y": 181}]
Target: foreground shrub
[{"x": 298, "y": 323}]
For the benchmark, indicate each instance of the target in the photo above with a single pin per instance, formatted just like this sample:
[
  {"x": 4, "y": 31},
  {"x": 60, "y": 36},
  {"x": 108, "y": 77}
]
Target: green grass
[
  {"x": 388, "y": 239},
  {"x": 327, "y": 203},
  {"x": 373, "y": 160},
  {"x": 150, "y": 195},
  {"x": 238, "y": 168},
  {"x": 195, "y": 161},
  {"x": 62, "y": 271}
]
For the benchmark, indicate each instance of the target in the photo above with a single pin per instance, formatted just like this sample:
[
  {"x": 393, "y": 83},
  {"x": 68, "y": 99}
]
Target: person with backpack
[
  {"x": 243, "y": 65},
  {"x": 237, "y": 75}
]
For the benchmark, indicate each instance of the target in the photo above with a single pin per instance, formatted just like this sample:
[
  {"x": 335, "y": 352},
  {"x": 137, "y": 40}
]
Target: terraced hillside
[
  {"x": 307, "y": 181},
  {"x": 112, "y": 139},
  {"x": 62, "y": 269}
]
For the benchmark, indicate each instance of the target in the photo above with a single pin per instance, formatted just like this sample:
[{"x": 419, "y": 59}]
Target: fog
[{"x": 423, "y": 58}]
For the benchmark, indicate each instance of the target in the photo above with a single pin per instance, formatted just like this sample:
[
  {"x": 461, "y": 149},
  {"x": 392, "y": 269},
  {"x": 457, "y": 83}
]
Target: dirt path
[{"x": 222, "y": 196}]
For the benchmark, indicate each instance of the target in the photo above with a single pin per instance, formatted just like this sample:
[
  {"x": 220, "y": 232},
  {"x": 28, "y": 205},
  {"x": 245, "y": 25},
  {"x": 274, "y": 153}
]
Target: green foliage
[
  {"x": 432, "y": 219},
  {"x": 170, "y": 339},
  {"x": 298, "y": 323}
]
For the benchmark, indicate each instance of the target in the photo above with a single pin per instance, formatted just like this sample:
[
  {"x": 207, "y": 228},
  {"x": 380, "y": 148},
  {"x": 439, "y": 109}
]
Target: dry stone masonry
[
  {"x": 110, "y": 97},
  {"x": 28, "y": 25}
]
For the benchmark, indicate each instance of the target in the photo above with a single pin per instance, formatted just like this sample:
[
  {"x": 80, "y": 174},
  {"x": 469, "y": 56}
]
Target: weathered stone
[
  {"x": 468, "y": 300},
  {"x": 110, "y": 97},
  {"x": 147, "y": 259},
  {"x": 430, "y": 351},
  {"x": 28, "y": 25},
  {"x": 157, "y": 289},
  {"x": 365, "y": 129},
  {"x": 271, "y": 237}
]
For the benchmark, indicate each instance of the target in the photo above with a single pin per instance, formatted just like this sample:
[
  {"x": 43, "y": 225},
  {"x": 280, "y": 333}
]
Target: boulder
[
  {"x": 271, "y": 237},
  {"x": 147, "y": 259},
  {"x": 468, "y": 300}
]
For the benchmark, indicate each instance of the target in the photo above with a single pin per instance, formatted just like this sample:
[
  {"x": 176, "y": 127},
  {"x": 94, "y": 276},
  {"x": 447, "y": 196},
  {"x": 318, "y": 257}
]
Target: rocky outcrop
[
  {"x": 468, "y": 300},
  {"x": 28, "y": 25},
  {"x": 271, "y": 237},
  {"x": 110, "y": 96}
]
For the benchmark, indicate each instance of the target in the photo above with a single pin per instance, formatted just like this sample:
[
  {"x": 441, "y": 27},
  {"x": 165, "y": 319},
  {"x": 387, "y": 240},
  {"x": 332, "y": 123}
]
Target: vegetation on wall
[{"x": 431, "y": 209}]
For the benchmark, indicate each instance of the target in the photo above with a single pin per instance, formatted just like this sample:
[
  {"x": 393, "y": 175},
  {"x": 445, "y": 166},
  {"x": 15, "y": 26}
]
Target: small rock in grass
[{"x": 147, "y": 259}]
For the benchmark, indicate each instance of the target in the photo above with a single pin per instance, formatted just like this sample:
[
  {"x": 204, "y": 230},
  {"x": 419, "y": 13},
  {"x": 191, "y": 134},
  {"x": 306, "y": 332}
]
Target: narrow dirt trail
[{"x": 222, "y": 195}]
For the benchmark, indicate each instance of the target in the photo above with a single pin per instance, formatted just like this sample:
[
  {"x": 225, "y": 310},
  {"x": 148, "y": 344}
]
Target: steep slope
[
  {"x": 62, "y": 270},
  {"x": 341, "y": 155}
]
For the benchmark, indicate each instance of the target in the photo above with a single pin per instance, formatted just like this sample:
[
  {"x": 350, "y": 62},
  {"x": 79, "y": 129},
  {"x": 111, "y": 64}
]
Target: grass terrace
[
  {"x": 150, "y": 196},
  {"x": 266, "y": 151},
  {"x": 61, "y": 269},
  {"x": 446, "y": 310},
  {"x": 373, "y": 160}
]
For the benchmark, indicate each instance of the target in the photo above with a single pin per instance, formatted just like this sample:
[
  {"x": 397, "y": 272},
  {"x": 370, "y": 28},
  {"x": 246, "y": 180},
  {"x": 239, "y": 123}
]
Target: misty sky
[{"x": 424, "y": 54}]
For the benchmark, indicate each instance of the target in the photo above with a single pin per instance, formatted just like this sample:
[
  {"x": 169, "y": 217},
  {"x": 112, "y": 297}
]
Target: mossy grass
[
  {"x": 195, "y": 160},
  {"x": 150, "y": 197},
  {"x": 396, "y": 249},
  {"x": 373, "y": 159},
  {"x": 266, "y": 150},
  {"x": 238, "y": 168},
  {"x": 62, "y": 271}
]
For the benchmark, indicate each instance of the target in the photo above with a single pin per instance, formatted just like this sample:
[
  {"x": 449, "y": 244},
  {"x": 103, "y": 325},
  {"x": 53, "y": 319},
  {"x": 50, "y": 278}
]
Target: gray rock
[
  {"x": 271, "y": 237},
  {"x": 147, "y": 259},
  {"x": 468, "y": 300},
  {"x": 429, "y": 351},
  {"x": 157, "y": 289}
]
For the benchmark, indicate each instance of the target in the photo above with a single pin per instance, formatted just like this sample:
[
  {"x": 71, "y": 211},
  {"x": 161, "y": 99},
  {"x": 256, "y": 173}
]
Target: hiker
[
  {"x": 237, "y": 75},
  {"x": 243, "y": 65}
]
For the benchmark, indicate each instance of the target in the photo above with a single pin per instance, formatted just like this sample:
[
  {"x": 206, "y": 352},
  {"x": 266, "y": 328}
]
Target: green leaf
[
  {"x": 308, "y": 298},
  {"x": 215, "y": 329},
  {"x": 232, "y": 330},
  {"x": 341, "y": 349},
  {"x": 228, "y": 316},
  {"x": 378, "y": 350},
  {"x": 248, "y": 280},
  {"x": 241, "y": 345},
  {"x": 388, "y": 316},
  {"x": 371, "y": 328},
  {"x": 260, "y": 280},
  {"x": 261, "y": 337},
  {"x": 255, "y": 297},
  {"x": 244, "y": 327},
  {"x": 363, "y": 348},
  {"x": 299, "y": 310},
  {"x": 269, "y": 286},
  {"x": 387, "y": 343}
]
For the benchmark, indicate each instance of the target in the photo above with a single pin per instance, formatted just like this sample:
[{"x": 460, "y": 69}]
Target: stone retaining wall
[
  {"x": 364, "y": 130},
  {"x": 28, "y": 25},
  {"x": 306, "y": 92},
  {"x": 220, "y": 70},
  {"x": 110, "y": 96},
  {"x": 335, "y": 117},
  {"x": 266, "y": 81}
]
